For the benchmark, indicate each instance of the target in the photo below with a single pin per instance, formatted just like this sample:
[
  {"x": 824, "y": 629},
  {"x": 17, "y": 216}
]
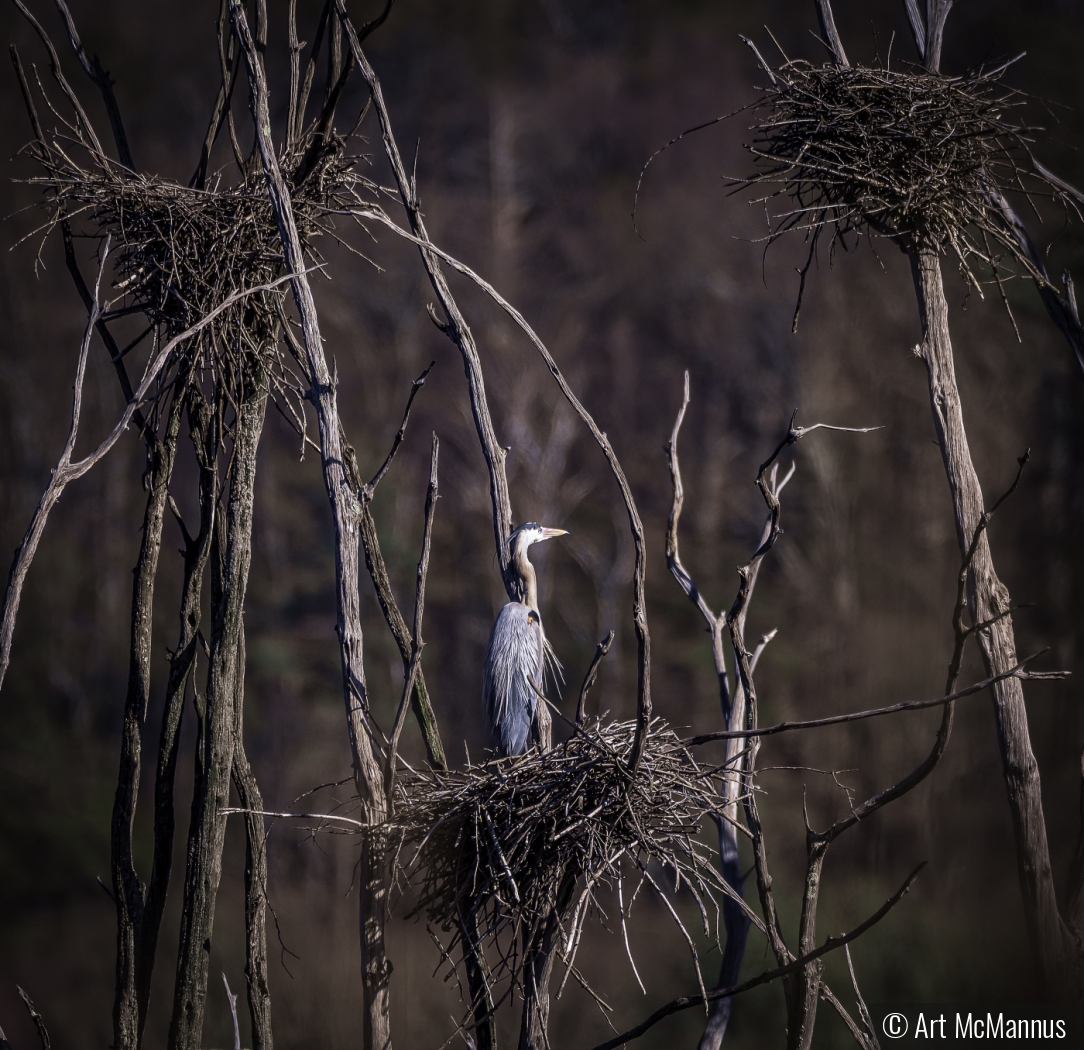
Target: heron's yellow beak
[{"x": 549, "y": 534}]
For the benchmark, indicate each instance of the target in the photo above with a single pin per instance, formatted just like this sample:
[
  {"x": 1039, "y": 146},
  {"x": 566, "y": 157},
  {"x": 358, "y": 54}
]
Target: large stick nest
[
  {"x": 497, "y": 848},
  {"x": 907, "y": 154},
  {"x": 180, "y": 251},
  {"x": 183, "y": 250}
]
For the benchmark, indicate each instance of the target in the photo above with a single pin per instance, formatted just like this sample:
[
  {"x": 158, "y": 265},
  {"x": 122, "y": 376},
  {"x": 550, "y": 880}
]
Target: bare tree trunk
[
  {"x": 803, "y": 987},
  {"x": 1052, "y": 944},
  {"x": 204, "y": 431},
  {"x": 485, "y": 1025},
  {"x": 128, "y": 891},
  {"x": 736, "y": 924},
  {"x": 735, "y": 920},
  {"x": 734, "y": 709},
  {"x": 216, "y": 755},
  {"x": 259, "y": 995},
  {"x": 537, "y": 970},
  {"x": 248, "y": 792},
  {"x": 256, "y": 877},
  {"x": 376, "y": 970}
]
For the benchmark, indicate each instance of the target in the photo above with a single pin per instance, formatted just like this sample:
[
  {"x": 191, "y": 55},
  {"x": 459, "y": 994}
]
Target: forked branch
[
  {"x": 66, "y": 471},
  {"x": 416, "y": 639},
  {"x": 643, "y": 638}
]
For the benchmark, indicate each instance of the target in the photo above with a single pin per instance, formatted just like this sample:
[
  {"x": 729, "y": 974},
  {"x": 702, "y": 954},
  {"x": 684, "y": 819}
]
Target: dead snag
[{"x": 216, "y": 753}]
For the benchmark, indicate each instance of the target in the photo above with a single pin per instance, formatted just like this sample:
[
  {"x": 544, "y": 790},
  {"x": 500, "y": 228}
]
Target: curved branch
[
  {"x": 601, "y": 650},
  {"x": 104, "y": 82},
  {"x": 66, "y": 471},
  {"x": 416, "y": 640},
  {"x": 418, "y": 383},
  {"x": 643, "y": 638},
  {"x": 831, "y": 944},
  {"x": 908, "y": 705},
  {"x": 456, "y": 327}
]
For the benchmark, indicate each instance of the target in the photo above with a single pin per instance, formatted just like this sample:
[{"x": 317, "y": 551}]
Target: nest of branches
[
  {"x": 497, "y": 849},
  {"x": 181, "y": 251},
  {"x": 906, "y": 154}
]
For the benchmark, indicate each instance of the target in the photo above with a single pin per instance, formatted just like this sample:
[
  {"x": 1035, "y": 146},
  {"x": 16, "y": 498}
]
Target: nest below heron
[
  {"x": 907, "y": 154},
  {"x": 496, "y": 848}
]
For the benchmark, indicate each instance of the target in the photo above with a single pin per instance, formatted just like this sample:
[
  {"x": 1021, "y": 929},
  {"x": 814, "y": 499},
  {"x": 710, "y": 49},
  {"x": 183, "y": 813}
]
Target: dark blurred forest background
[{"x": 532, "y": 121}]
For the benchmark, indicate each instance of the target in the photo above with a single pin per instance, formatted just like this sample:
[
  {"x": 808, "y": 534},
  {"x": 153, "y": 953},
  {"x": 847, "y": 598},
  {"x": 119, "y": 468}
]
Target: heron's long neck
[{"x": 527, "y": 577}]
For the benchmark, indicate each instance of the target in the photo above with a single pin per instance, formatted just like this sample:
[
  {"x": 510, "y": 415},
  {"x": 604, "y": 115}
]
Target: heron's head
[{"x": 531, "y": 532}]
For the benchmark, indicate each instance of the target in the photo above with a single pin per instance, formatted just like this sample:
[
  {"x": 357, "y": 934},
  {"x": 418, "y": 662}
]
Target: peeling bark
[
  {"x": 216, "y": 753},
  {"x": 1054, "y": 948},
  {"x": 129, "y": 1007}
]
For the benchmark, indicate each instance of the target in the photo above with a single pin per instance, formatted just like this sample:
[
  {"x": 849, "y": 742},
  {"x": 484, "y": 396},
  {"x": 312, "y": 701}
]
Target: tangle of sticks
[
  {"x": 902, "y": 153},
  {"x": 500, "y": 842}
]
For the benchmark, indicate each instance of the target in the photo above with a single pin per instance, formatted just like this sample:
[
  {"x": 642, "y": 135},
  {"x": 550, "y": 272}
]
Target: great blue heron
[{"x": 517, "y": 655}]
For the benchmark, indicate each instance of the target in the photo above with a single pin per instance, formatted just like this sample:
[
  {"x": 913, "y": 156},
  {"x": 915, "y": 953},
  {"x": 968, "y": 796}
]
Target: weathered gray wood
[
  {"x": 733, "y": 708},
  {"x": 420, "y": 702},
  {"x": 204, "y": 430},
  {"x": 989, "y": 599},
  {"x": 248, "y": 792},
  {"x": 830, "y": 33},
  {"x": 378, "y": 573},
  {"x": 376, "y": 971},
  {"x": 67, "y": 471},
  {"x": 216, "y": 756},
  {"x": 128, "y": 891},
  {"x": 537, "y": 971},
  {"x": 478, "y": 983},
  {"x": 456, "y": 327}
]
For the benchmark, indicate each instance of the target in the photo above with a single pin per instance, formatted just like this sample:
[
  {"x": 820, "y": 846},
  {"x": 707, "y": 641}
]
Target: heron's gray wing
[{"x": 513, "y": 676}]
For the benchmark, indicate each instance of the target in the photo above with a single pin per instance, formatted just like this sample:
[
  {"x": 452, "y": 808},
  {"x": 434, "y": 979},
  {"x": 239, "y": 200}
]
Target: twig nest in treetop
[
  {"x": 181, "y": 251},
  {"x": 902, "y": 153},
  {"x": 497, "y": 845}
]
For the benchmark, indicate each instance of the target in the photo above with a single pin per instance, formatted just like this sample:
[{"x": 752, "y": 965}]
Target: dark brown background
[{"x": 532, "y": 121}]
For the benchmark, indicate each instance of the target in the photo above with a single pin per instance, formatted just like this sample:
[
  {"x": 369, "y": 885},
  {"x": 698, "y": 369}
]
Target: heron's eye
[{"x": 532, "y": 616}]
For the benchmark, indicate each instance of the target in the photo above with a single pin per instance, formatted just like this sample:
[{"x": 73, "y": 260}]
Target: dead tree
[
  {"x": 1056, "y": 941},
  {"x": 733, "y": 706},
  {"x": 800, "y": 969},
  {"x": 936, "y": 178},
  {"x": 205, "y": 265},
  {"x": 511, "y": 858}
]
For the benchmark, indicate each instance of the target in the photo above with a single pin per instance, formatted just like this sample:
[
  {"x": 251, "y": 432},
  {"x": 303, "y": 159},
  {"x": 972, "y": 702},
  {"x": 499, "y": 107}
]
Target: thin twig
[
  {"x": 601, "y": 650},
  {"x": 66, "y": 471},
  {"x": 831, "y": 944},
  {"x": 233, "y": 1013},
  {"x": 418, "y": 383},
  {"x": 297, "y": 816},
  {"x": 39, "y": 1024},
  {"x": 419, "y": 609},
  {"x": 908, "y": 705}
]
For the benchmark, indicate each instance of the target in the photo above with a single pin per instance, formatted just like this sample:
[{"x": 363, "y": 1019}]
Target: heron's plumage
[
  {"x": 515, "y": 660},
  {"x": 518, "y": 657}
]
